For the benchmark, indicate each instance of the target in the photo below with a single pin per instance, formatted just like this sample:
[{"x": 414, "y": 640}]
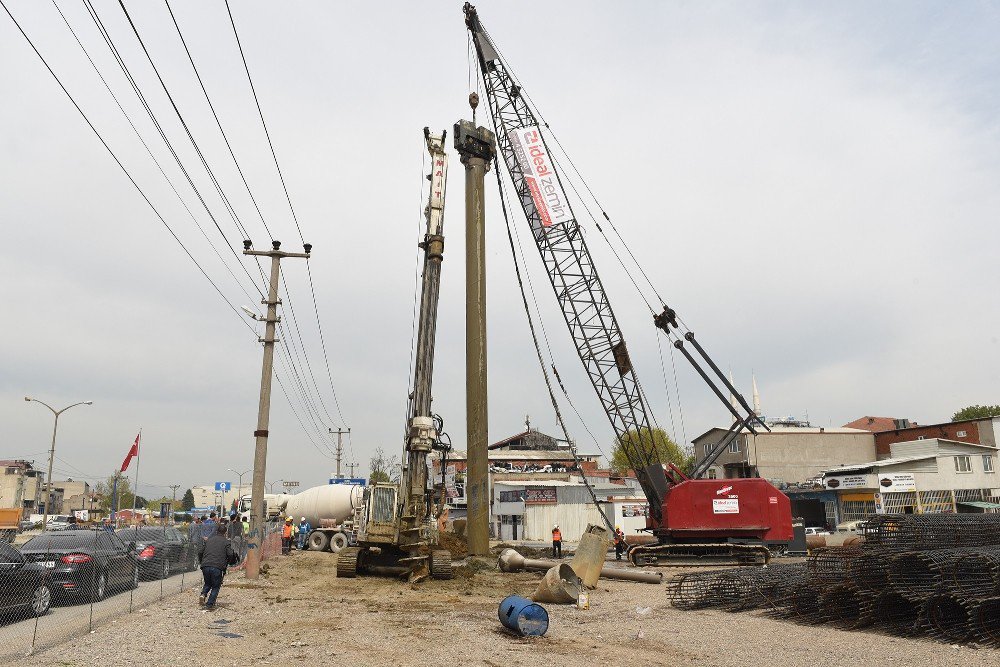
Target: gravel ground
[{"x": 300, "y": 611}]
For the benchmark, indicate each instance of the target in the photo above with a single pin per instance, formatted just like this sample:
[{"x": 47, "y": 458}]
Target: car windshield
[{"x": 68, "y": 539}]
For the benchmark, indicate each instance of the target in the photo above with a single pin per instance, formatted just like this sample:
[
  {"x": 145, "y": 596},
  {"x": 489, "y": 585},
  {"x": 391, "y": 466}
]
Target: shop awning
[{"x": 980, "y": 504}]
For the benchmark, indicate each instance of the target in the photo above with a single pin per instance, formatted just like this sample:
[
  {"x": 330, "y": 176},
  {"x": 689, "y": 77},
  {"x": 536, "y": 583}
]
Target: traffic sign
[
  {"x": 223, "y": 486},
  {"x": 348, "y": 480}
]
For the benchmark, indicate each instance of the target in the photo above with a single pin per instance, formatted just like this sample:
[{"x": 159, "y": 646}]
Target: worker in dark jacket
[{"x": 215, "y": 554}]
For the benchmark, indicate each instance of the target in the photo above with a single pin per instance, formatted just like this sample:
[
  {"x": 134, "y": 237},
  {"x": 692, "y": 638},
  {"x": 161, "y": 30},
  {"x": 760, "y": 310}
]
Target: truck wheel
[
  {"x": 318, "y": 541},
  {"x": 338, "y": 542}
]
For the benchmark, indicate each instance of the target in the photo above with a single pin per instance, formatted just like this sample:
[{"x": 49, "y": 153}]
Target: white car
[{"x": 817, "y": 531}]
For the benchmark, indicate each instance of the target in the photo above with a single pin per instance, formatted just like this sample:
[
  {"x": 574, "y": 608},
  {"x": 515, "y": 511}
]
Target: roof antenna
[{"x": 473, "y": 102}]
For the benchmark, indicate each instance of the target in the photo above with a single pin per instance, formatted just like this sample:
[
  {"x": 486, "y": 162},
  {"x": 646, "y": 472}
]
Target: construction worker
[
  {"x": 619, "y": 542},
  {"x": 304, "y": 529},
  {"x": 556, "y": 541},
  {"x": 287, "y": 532},
  {"x": 215, "y": 555}
]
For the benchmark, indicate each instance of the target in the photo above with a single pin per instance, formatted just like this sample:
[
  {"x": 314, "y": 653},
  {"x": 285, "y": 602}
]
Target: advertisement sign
[
  {"x": 638, "y": 509},
  {"x": 725, "y": 505},
  {"x": 896, "y": 482},
  {"x": 540, "y": 496},
  {"x": 82, "y": 515},
  {"x": 540, "y": 176},
  {"x": 359, "y": 481},
  {"x": 848, "y": 482}
]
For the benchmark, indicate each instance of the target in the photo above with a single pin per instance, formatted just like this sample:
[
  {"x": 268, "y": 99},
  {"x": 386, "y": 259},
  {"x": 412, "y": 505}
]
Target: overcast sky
[{"x": 813, "y": 188}]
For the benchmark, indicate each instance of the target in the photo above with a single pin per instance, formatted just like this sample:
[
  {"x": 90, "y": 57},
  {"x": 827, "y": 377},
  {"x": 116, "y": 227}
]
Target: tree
[
  {"x": 187, "y": 502},
  {"x": 381, "y": 468},
  {"x": 125, "y": 496},
  {"x": 654, "y": 444},
  {"x": 976, "y": 412}
]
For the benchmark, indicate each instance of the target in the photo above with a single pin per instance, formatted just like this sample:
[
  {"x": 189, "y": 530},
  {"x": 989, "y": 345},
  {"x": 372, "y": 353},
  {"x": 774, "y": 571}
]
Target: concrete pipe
[{"x": 511, "y": 561}]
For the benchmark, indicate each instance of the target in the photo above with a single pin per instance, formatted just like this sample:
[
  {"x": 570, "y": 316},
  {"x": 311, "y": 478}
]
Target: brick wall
[{"x": 948, "y": 431}]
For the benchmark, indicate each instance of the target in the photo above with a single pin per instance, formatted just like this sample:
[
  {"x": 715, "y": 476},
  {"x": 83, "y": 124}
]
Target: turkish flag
[{"x": 132, "y": 452}]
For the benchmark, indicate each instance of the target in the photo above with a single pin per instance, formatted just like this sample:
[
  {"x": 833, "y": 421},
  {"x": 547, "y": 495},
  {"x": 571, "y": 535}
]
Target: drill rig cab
[{"x": 397, "y": 524}]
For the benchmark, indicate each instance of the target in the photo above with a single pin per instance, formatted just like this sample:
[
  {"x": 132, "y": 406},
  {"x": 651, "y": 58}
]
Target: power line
[
  {"x": 149, "y": 111},
  {"x": 149, "y": 151},
  {"x": 119, "y": 162},
  {"x": 288, "y": 198}
]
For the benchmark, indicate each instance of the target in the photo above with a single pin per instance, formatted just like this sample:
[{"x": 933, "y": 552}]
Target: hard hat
[
  {"x": 303, "y": 518},
  {"x": 556, "y": 526},
  {"x": 289, "y": 519},
  {"x": 618, "y": 527}
]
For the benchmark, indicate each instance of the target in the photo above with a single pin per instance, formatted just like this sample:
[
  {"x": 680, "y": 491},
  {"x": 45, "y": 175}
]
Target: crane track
[{"x": 686, "y": 555}]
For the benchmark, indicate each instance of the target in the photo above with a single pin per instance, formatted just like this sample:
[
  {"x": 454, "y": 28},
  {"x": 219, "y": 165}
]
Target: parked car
[
  {"x": 159, "y": 550},
  {"x": 817, "y": 531},
  {"x": 84, "y": 563},
  {"x": 24, "y": 585},
  {"x": 59, "y": 522}
]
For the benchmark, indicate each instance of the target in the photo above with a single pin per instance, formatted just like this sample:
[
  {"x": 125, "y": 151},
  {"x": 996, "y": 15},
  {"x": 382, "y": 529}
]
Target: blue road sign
[
  {"x": 223, "y": 486},
  {"x": 348, "y": 480}
]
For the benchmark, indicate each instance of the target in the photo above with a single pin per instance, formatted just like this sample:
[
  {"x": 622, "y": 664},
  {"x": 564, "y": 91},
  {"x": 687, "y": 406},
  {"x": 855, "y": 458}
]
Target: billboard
[
  {"x": 896, "y": 482},
  {"x": 540, "y": 175},
  {"x": 839, "y": 482},
  {"x": 545, "y": 495}
]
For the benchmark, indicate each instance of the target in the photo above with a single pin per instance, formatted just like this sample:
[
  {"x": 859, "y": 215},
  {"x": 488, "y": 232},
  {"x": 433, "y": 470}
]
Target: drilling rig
[
  {"x": 689, "y": 516},
  {"x": 396, "y": 525}
]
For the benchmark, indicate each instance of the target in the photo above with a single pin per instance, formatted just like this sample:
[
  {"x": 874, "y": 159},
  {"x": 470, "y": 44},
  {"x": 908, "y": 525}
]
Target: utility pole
[
  {"x": 340, "y": 446},
  {"x": 477, "y": 147},
  {"x": 352, "y": 466},
  {"x": 173, "y": 498},
  {"x": 264, "y": 407}
]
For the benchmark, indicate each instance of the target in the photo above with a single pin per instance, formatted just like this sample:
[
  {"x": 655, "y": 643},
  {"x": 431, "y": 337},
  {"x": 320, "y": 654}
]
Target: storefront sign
[
  {"x": 540, "y": 496},
  {"x": 848, "y": 482},
  {"x": 725, "y": 505},
  {"x": 893, "y": 482}
]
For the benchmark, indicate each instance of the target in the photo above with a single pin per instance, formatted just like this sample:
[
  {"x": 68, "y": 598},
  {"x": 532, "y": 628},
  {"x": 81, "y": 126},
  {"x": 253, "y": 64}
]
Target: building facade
[
  {"x": 933, "y": 475},
  {"x": 528, "y": 510},
  {"x": 976, "y": 431},
  {"x": 784, "y": 455},
  {"x": 22, "y": 486}
]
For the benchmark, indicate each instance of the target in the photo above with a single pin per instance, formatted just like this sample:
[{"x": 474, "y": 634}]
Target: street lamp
[
  {"x": 52, "y": 453},
  {"x": 239, "y": 485},
  {"x": 270, "y": 485}
]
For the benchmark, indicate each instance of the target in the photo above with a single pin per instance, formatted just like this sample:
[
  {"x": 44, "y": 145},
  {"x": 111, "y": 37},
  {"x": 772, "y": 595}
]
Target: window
[
  {"x": 709, "y": 448},
  {"x": 734, "y": 447},
  {"x": 988, "y": 463},
  {"x": 960, "y": 434},
  {"x": 711, "y": 473},
  {"x": 963, "y": 464}
]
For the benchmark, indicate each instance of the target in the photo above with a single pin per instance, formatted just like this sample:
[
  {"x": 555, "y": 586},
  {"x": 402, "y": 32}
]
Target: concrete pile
[{"x": 929, "y": 575}]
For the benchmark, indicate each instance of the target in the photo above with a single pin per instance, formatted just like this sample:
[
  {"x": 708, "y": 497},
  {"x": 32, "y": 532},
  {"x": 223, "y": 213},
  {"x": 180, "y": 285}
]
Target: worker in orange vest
[
  {"x": 556, "y": 541},
  {"x": 287, "y": 531},
  {"x": 619, "y": 542}
]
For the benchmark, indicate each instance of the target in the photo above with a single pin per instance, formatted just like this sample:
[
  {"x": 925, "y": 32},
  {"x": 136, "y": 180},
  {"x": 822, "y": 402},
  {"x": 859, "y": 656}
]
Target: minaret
[{"x": 756, "y": 397}]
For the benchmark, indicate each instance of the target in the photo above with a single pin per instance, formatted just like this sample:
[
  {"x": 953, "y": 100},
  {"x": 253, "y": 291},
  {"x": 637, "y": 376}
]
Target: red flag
[{"x": 132, "y": 452}]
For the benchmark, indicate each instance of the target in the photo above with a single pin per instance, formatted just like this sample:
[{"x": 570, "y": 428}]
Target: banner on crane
[{"x": 540, "y": 175}]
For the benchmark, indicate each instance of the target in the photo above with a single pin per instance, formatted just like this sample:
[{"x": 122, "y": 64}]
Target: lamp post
[
  {"x": 52, "y": 453},
  {"x": 270, "y": 485},
  {"x": 239, "y": 486}
]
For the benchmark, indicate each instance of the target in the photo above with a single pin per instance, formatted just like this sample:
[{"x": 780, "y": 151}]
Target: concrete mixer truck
[{"x": 329, "y": 509}]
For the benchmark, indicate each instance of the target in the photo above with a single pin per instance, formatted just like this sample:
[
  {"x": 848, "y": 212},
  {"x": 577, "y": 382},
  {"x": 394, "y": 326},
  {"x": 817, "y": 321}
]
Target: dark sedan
[
  {"x": 160, "y": 551},
  {"x": 24, "y": 586},
  {"x": 84, "y": 563}
]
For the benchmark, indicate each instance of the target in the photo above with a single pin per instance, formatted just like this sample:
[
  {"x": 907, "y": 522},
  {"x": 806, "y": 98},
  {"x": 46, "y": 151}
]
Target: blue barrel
[{"x": 523, "y": 616}]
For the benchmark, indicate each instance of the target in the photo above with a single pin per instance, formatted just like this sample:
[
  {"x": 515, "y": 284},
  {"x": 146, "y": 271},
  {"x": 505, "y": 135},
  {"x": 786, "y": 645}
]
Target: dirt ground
[{"x": 299, "y": 611}]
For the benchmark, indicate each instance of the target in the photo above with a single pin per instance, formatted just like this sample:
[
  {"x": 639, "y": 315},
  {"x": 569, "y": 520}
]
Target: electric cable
[
  {"x": 288, "y": 198},
  {"x": 121, "y": 165},
  {"x": 149, "y": 151}
]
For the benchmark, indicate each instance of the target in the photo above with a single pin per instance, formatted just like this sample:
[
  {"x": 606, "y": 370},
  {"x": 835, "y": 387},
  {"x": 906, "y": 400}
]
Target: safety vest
[
  {"x": 556, "y": 535},
  {"x": 286, "y": 531}
]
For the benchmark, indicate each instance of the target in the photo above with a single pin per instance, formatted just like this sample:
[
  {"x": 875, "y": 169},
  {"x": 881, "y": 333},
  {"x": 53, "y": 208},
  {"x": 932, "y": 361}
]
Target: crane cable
[{"x": 538, "y": 352}]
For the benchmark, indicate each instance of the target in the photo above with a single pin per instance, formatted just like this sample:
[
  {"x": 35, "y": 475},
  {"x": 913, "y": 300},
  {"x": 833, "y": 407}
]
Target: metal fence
[{"x": 55, "y": 585}]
